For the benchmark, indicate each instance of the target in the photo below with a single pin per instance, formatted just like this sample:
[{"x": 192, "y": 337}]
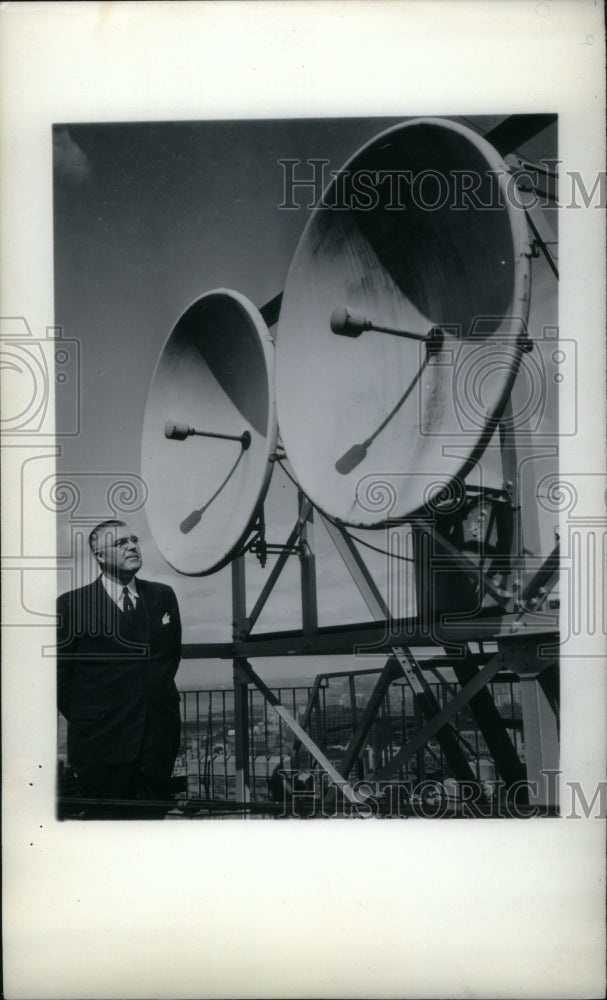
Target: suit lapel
[
  {"x": 149, "y": 603},
  {"x": 104, "y": 609},
  {"x": 106, "y": 612}
]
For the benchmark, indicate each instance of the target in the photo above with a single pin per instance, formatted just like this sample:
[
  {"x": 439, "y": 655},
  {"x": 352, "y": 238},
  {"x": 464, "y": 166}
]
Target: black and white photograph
[
  {"x": 304, "y": 499},
  {"x": 320, "y": 360}
]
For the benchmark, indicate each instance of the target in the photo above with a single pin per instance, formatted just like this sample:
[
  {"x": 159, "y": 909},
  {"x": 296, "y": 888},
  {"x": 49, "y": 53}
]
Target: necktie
[{"x": 127, "y": 606}]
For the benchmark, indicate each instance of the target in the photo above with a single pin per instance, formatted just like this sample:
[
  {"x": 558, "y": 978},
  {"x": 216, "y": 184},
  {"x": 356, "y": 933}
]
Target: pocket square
[{"x": 166, "y": 618}]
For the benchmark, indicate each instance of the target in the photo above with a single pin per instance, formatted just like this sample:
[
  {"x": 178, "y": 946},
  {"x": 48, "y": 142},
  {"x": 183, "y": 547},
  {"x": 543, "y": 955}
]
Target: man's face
[{"x": 118, "y": 555}]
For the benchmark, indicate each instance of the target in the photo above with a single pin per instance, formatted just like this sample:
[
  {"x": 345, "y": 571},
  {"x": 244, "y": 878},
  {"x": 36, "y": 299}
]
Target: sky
[{"x": 148, "y": 217}]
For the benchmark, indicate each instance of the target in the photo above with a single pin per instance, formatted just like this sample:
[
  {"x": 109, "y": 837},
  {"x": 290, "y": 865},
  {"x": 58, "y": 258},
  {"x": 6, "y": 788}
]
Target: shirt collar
[{"x": 114, "y": 588}]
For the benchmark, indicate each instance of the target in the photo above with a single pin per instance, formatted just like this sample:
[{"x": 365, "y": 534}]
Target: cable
[
  {"x": 333, "y": 521},
  {"x": 288, "y": 474},
  {"x": 368, "y": 545}
]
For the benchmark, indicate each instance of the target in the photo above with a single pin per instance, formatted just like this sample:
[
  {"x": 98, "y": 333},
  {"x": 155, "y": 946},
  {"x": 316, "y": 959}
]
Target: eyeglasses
[{"x": 121, "y": 543}]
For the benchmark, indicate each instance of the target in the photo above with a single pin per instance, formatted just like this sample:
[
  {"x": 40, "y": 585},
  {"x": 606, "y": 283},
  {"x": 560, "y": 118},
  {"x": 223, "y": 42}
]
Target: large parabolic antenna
[
  {"x": 420, "y": 233},
  {"x": 209, "y": 431}
]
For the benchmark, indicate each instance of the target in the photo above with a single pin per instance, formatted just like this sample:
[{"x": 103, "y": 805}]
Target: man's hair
[{"x": 100, "y": 529}]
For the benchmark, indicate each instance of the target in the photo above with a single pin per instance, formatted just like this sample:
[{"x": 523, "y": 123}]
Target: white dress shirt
[{"x": 114, "y": 590}]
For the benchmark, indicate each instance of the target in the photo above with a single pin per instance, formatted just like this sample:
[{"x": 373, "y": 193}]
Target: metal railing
[
  {"x": 330, "y": 710},
  {"x": 206, "y": 757}
]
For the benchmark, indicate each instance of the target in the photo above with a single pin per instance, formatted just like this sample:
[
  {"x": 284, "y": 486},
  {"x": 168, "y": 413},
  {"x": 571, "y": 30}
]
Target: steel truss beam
[
  {"x": 490, "y": 723},
  {"x": 377, "y": 638},
  {"x": 509, "y": 630},
  {"x": 521, "y": 629},
  {"x": 402, "y": 654},
  {"x": 442, "y": 718}
]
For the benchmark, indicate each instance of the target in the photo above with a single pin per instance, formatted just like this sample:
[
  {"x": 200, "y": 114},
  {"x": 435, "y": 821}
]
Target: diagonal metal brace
[
  {"x": 390, "y": 672},
  {"x": 304, "y": 738},
  {"x": 279, "y": 565},
  {"x": 544, "y": 580},
  {"x": 380, "y": 611},
  {"x": 312, "y": 701},
  {"x": 484, "y": 676},
  {"x": 358, "y": 570},
  {"x": 463, "y": 563},
  {"x": 429, "y": 705}
]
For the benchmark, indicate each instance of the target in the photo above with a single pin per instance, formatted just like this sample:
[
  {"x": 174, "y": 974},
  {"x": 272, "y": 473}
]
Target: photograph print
[{"x": 310, "y": 392}]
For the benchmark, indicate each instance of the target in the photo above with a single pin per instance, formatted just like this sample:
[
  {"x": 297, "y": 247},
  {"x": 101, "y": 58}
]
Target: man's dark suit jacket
[{"x": 110, "y": 687}]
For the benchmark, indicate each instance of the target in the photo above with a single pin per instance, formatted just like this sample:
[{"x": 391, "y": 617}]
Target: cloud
[{"x": 70, "y": 161}]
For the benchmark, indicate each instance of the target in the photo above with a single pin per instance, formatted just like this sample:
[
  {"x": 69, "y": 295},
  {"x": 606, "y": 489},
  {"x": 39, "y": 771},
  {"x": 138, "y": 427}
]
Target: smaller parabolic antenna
[{"x": 209, "y": 430}]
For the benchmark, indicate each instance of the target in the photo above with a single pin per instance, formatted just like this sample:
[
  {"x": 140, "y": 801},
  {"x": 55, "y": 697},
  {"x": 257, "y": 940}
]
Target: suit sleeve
[{"x": 66, "y": 653}]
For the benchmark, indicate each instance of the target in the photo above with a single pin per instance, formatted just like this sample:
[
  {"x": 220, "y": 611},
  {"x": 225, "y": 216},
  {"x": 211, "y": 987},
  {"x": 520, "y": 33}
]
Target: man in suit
[{"x": 119, "y": 646}]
